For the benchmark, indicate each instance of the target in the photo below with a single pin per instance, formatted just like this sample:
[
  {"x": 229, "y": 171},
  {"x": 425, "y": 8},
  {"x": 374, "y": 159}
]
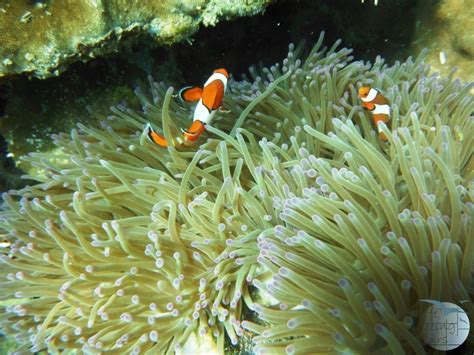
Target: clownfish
[
  {"x": 375, "y": 102},
  {"x": 209, "y": 100}
]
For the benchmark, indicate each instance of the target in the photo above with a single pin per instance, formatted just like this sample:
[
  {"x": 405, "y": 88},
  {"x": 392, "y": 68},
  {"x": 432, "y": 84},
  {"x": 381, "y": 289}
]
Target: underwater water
[{"x": 257, "y": 176}]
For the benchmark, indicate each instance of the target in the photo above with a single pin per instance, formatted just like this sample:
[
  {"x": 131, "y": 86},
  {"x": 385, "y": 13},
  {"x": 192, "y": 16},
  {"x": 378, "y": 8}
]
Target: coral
[
  {"x": 218, "y": 8},
  {"x": 43, "y": 38},
  {"x": 126, "y": 246}
]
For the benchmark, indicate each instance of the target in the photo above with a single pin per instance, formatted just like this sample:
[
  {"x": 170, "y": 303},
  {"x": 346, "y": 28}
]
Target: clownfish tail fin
[
  {"x": 190, "y": 93},
  {"x": 155, "y": 137}
]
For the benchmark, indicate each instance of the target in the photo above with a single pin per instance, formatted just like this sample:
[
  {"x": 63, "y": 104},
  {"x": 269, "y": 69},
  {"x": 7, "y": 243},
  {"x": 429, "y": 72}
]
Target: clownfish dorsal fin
[{"x": 190, "y": 93}]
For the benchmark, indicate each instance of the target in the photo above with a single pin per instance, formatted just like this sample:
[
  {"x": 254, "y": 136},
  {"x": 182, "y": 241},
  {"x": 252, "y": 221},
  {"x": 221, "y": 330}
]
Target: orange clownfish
[
  {"x": 209, "y": 99},
  {"x": 375, "y": 102}
]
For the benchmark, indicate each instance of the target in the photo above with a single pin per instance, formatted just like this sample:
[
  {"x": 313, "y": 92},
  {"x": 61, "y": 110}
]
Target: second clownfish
[
  {"x": 209, "y": 99},
  {"x": 377, "y": 104}
]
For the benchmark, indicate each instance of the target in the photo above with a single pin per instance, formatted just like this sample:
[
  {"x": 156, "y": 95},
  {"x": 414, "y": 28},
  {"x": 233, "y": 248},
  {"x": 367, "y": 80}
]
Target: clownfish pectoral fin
[
  {"x": 190, "y": 93},
  {"x": 155, "y": 137},
  {"x": 223, "y": 109}
]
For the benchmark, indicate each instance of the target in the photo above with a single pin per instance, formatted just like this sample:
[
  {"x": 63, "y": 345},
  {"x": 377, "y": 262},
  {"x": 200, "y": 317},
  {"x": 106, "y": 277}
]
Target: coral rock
[
  {"x": 42, "y": 38},
  {"x": 443, "y": 29}
]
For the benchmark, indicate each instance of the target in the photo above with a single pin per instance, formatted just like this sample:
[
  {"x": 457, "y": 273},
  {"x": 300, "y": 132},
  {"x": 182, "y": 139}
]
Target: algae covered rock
[
  {"x": 42, "y": 37},
  {"x": 443, "y": 28}
]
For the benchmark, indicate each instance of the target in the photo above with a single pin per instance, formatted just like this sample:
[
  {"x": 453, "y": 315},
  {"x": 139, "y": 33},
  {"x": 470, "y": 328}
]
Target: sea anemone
[{"x": 126, "y": 246}]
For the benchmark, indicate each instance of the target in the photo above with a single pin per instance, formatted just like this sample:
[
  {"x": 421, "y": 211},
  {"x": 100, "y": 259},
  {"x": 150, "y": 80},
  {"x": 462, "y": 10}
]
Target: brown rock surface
[
  {"x": 445, "y": 29},
  {"x": 41, "y": 38}
]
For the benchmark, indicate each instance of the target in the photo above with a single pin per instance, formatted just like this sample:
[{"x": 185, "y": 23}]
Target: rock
[
  {"x": 41, "y": 38},
  {"x": 443, "y": 28},
  {"x": 458, "y": 15}
]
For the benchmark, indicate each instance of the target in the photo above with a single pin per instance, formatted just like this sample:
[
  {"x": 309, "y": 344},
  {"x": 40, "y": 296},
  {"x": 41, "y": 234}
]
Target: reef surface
[
  {"x": 444, "y": 28},
  {"x": 41, "y": 38}
]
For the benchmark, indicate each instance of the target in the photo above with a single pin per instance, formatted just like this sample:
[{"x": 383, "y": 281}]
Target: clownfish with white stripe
[
  {"x": 376, "y": 103},
  {"x": 209, "y": 100}
]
